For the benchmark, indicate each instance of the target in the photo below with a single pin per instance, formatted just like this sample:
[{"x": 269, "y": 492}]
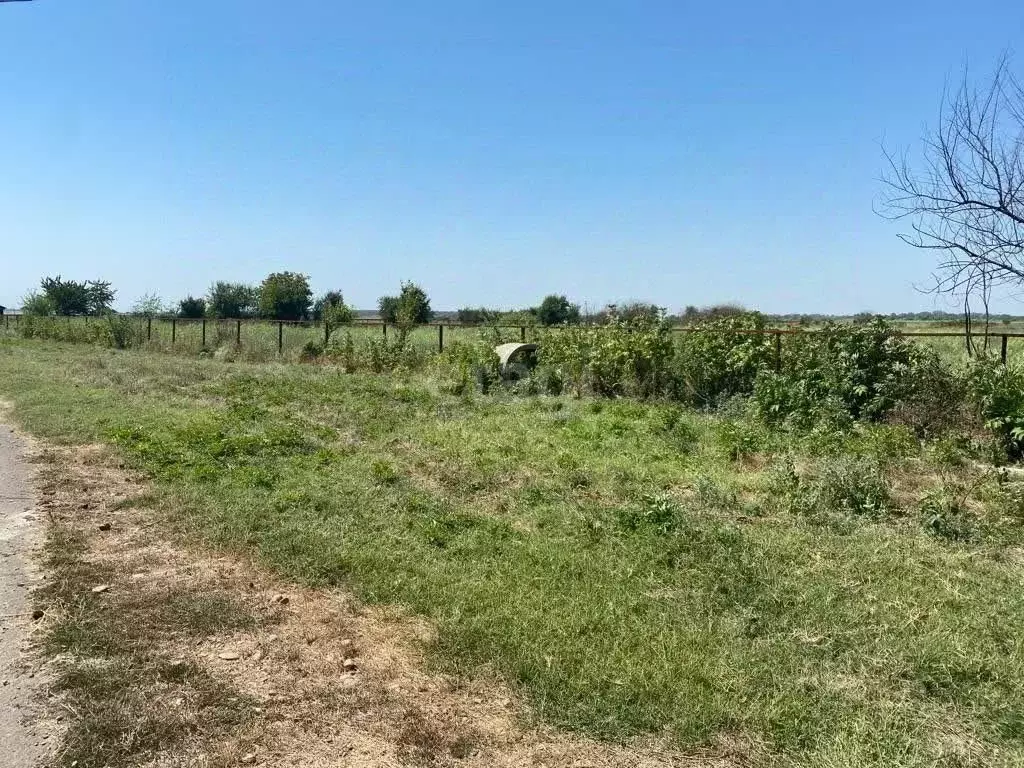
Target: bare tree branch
[{"x": 966, "y": 199}]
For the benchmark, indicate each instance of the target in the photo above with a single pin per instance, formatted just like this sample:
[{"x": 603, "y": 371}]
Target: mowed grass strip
[{"x": 629, "y": 565}]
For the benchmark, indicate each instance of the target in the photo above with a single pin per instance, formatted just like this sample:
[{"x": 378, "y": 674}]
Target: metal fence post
[
  {"x": 1002, "y": 349},
  {"x": 149, "y": 329},
  {"x": 384, "y": 326},
  {"x": 204, "y": 333},
  {"x": 238, "y": 333},
  {"x": 440, "y": 338},
  {"x": 327, "y": 332},
  {"x": 280, "y": 338},
  {"x": 174, "y": 330}
]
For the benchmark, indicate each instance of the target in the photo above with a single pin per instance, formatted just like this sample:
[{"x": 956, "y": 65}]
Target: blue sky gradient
[{"x": 678, "y": 152}]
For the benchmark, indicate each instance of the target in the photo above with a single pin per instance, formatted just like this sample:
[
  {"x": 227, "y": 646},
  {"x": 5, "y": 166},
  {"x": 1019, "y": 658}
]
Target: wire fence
[{"x": 285, "y": 338}]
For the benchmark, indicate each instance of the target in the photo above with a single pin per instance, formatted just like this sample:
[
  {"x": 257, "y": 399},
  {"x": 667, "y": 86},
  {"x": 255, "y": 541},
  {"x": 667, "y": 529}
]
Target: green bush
[
  {"x": 119, "y": 332},
  {"x": 834, "y": 493},
  {"x": 857, "y": 371},
  {"x": 411, "y": 307},
  {"x": 945, "y": 515},
  {"x": 110, "y": 330},
  {"x": 386, "y": 355},
  {"x": 998, "y": 393},
  {"x": 311, "y": 351},
  {"x": 740, "y": 439},
  {"x": 678, "y": 430},
  {"x": 720, "y": 358},
  {"x": 653, "y": 513},
  {"x": 623, "y": 357},
  {"x": 37, "y": 305},
  {"x": 558, "y": 310},
  {"x": 936, "y": 401},
  {"x": 192, "y": 307},
  {"x": 468, "y": 366}
]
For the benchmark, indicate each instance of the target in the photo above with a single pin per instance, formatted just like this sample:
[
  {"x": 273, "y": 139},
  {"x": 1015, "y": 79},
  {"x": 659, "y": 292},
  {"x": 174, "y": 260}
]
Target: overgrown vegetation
[
  {"x": 828, "y": 378},
  {"x": 841, "y": 592}
]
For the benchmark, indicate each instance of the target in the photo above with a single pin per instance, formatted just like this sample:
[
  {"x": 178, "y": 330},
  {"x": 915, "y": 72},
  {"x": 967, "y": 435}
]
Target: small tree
[
  {"x": 409, "y": 308},
  {"x": 285, "y": 296},
  {"x": 331, "y": 297},
  {"x": 37, "y": 305},
  {"x": 332, "y": 310},
  {"x": 150, "y": 305},
  {"x": 414, "y": 304},
  {"x": 191, "y": 307},
  {"x": 558, "y": 310},
  {"x": 230, "y": 300},
  {"x": 70, "y": 297},
  {"x": 387, "y": 308}
]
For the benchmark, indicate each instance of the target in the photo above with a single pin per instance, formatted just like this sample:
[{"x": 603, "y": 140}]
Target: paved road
[{"x": 19, "y": 746}]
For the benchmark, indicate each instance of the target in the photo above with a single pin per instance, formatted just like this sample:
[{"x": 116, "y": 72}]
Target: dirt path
[
  {"x": 19, "y": 745},
  {"x": 175, "y": 655}
]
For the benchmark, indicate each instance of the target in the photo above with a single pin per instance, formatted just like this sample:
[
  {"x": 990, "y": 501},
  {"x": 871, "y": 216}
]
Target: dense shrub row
[
  {"x": 109, "y": 330},
  {"x": 831, "y": 377}
]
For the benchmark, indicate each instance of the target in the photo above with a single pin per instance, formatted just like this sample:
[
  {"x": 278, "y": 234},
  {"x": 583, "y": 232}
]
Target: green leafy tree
[
  {"x": 150, "y": 305},
  {"x": 285, "y": 296},
  {"x": 230, "y": 300},
  {"x": 387, "y": 307},
  {"x": 332, "y": 310},
  {"x": 475, "y": 315},
  {"x": 409, "y": 308},
  {"x": 37, "y": 305},
  {"x": 558, "y": 310},
  {"x": 191, "y": 307},
  {"x": 328, "y": 299},
  {"x": 71, "y": 297},
  {"x": 414, "y": 305}
]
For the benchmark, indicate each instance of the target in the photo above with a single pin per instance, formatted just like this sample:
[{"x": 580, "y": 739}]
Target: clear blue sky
[{"x": 680, "y": 152}]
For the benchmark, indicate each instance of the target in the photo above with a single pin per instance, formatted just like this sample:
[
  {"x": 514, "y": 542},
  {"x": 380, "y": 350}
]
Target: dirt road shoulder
[{"x": 21, "y": 738}]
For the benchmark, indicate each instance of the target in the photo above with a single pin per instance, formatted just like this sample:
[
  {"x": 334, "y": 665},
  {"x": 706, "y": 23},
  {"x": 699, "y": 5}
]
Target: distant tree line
[
  {"x": 288, "y": 296},
  {"x": 280, "y": 296},
  {"x": 554, "y": 309}
]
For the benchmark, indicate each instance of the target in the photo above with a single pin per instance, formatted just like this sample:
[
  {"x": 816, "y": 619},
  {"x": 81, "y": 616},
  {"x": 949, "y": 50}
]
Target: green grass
[
  {"x": 634, "y": 568},
  {"x": 257, "y": 341}
]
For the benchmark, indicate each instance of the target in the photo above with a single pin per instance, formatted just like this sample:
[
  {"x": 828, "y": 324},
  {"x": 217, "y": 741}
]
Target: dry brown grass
[{"x": 201, "y": 658}]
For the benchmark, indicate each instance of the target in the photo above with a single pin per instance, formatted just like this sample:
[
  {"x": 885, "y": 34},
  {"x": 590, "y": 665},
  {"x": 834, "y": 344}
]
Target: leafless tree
[{"x": 966, "y": 199}]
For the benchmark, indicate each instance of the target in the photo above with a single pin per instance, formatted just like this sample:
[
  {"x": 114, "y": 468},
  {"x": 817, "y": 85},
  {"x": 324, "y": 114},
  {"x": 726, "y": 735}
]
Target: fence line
[{"x": 15, "y": 320}]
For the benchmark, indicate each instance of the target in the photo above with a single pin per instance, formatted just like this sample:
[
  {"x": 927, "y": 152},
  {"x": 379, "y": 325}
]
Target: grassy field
[
  {"x": 634, "y": 568},
  {"x": 257, "y": 341}
]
